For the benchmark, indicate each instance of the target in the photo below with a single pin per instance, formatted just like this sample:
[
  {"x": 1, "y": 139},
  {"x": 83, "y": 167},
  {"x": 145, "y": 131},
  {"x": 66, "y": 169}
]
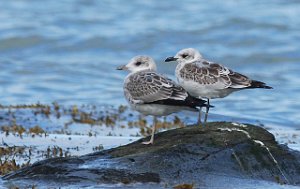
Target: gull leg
[
  {"x": 153, "y": 132},
  {"x": 199, "y": 117},
  {"x": 207, "y": 110}
]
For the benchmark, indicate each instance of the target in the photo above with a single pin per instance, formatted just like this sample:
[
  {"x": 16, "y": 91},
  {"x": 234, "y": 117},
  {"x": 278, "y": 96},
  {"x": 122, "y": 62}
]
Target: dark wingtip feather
[
  {"x": 268, "y": 87},
  {"x": 211, "y": 106},
  {"x": 190, "y": 101},
  {"x": 198, "y": 102},
  {"x": 259, "y": 84}
]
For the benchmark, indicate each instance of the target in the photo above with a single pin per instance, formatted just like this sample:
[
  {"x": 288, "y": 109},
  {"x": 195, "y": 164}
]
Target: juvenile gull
[
  {"x": 153, "y": 94},
  {"x": 205, "y": 79}
]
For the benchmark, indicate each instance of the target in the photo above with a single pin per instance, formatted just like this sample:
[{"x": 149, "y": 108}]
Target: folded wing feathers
[
  {"x": 238, "y": 80},
  {"x": 227, "y": 77},
  {"x": 147, "y": 87}
]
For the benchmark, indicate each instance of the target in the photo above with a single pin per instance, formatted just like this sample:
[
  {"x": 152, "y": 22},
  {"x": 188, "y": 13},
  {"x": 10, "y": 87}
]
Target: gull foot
[{"x": 149, "y": 142}]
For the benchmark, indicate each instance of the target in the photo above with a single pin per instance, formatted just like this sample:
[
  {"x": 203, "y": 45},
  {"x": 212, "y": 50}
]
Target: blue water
[{"x": 67, "y": 51}]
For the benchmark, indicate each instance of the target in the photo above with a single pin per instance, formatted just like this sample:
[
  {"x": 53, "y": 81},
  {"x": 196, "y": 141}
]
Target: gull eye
[
  {"x": 138, "y": 63},
  {"x": 185, "y": 55}
]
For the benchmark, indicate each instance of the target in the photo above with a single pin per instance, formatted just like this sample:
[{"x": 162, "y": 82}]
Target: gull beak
[
  {"x": 169, "y": 59},
  {"x": 123, "y": 67}
]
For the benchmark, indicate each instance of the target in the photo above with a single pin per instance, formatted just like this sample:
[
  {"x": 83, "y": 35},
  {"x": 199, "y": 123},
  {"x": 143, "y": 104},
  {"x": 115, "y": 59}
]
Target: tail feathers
[{"x": 259, "y": 84}]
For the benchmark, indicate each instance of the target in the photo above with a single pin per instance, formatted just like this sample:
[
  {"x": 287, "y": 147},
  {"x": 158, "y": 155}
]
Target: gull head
[
  {"x": 139, "y": 63},
  {"x": 185, "y": 56}
]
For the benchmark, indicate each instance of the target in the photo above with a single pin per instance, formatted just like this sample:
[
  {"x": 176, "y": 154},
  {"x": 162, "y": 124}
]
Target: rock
[{"x": 210, "y": 156}]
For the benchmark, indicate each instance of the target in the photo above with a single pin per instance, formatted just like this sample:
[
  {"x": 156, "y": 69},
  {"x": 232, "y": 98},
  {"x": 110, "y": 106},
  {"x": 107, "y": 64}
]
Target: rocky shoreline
[{"x": 194, "y": 155}]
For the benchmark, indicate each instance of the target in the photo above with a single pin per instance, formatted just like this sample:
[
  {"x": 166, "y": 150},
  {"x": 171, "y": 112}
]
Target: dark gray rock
[{"x": 207, "y": 156}]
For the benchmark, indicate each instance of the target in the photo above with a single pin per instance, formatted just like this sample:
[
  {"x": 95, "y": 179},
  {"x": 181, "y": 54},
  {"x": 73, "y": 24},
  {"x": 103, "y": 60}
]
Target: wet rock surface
[{"x": 203, "y": 156}]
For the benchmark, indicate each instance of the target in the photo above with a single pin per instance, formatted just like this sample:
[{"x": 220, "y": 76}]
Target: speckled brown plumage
[{"x": 210, "y": 74}]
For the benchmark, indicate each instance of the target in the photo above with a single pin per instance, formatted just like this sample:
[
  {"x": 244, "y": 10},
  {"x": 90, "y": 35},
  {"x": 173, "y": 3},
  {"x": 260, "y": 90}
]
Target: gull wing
[
  {"x": 213, "y": 74},
  {"x": 148, "y": 87}
]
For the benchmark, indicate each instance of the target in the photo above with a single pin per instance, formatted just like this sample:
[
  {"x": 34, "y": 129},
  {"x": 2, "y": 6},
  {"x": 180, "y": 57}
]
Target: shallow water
[{"x": 67, "y": 51}]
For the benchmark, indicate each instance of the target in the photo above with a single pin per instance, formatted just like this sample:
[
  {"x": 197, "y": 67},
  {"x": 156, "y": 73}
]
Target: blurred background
[{"x": 67, "y": 51}]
